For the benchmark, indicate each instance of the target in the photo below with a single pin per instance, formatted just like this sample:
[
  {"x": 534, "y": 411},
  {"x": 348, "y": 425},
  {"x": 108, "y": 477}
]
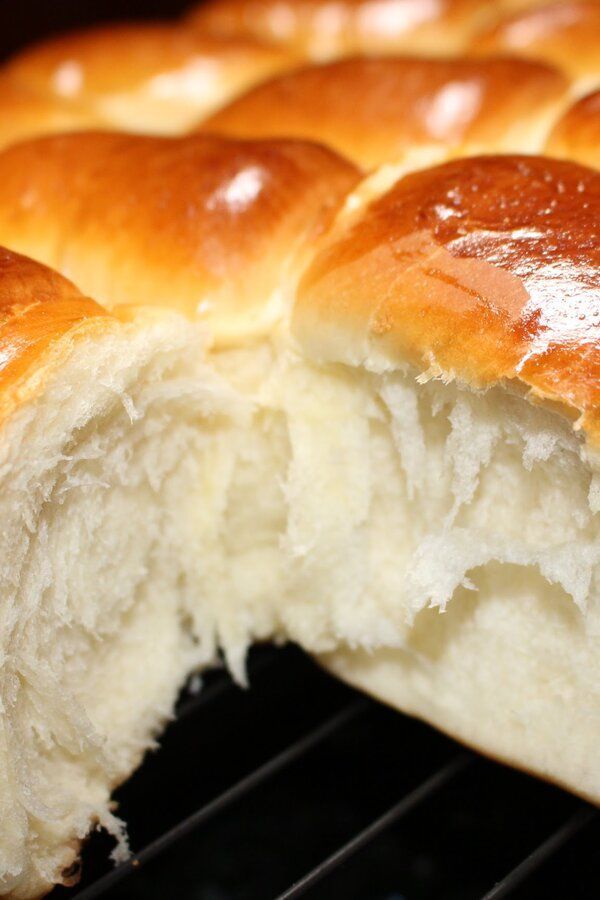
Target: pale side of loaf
[{"x": 322, "y": 31}]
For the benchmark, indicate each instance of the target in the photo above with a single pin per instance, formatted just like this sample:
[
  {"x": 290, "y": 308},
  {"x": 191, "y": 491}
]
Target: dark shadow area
[{"x": 29, "y": 20}]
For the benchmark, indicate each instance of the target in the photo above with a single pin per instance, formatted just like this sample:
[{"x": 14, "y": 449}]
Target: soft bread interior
[
  {"x": 103, "y": 481},
  {"x": 438, "y": 546}
]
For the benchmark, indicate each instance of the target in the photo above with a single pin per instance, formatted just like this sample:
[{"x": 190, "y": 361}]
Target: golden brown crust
[
  {"x": 25, "y": 114},
  {"x": 211, "y": 227},
  {"x": 378, "y": 110},
  {"x": 38, "y": 307},
  {"x": 483, "y": 269},
  {"x": 566, "y": 34},
  {"x": 152, "y": 76},
  {"x": 323, "y": 30},
  {"x": 576, "y": 135}
]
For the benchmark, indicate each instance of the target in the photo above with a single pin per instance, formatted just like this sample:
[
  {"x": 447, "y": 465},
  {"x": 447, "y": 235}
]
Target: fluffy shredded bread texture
[
  {"x": 465, "y": 543},
  {"x": 394, "y": 466},
  {"x": 108, "y": 430}
]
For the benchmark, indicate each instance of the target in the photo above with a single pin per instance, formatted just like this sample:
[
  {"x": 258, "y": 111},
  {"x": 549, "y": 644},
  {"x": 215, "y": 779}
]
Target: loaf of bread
[{"x": 324, "y": 369}]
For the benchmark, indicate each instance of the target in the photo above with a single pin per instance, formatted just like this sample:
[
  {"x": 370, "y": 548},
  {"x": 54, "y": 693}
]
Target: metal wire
[
  {"x": 430, "y": 787},
  {"x": 421, "y": 793},
  {"x": 202, "y": 815},
  {"x": 541, "y": 853}
]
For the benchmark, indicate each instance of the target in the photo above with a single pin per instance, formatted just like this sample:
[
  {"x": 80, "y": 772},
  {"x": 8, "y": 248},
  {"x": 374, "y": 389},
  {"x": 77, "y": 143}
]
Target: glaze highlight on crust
[
  {"x": 566, "y": 34},
  {"x": 322, "y": 30},
  {"x": 484, "y": 270},
  {"x": 25, "y": 114},
  {"x": 38, "y": 307},
  {"x": 576, "y": 136},
  {"x": 223, "y": 226},
  {"x": 378, "y": 110},
  {"x": 153, "y": 77}
]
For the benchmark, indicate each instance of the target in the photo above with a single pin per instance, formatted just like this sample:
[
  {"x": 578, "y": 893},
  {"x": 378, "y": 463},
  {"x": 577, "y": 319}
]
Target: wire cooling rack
[{"x": 301, "y": 787}]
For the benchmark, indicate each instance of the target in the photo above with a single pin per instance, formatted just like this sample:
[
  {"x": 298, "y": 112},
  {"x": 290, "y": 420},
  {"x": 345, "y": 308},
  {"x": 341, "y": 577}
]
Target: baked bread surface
[
  {"x": 377, "y": 111},
  {"x": 320, "y": 370},
  {"x": 222, "y": 225},
  {"x": 576, "y": 135},
  {"x": 155, "y": 77},
  {"x": 484, "y": 270}
]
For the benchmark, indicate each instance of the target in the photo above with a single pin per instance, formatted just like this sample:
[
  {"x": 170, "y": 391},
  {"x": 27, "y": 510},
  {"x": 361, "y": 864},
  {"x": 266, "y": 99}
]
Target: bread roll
[
  {"x": 222, "y": 227},
  {"x": 565, "y": 33},
  {"x": 322, "y": 30},
  {"x": 25, "y": 113},
  {"x": 576, "y": 135},
  {"x": 102, "y": 418},
  {"x": 156, "y": 77},
  {"x": 466, "y": 300},
  {"x": 404, "y": 110}
]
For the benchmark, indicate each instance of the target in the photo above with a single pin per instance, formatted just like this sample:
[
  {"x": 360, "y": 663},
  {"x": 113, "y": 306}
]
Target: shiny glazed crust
[
  {"x": 207, "y": 226},
  {"x": 39, "y": 310},
  {"x": 484, "y": 270},
  {"x": 379, "y": 110},
  {"x": 140, "y": 76},
  {"x": 25, "y": 113},
  {"x": 566, "y": 34},
  {"x": 119, "y": 57},
  {"x": 320, "y": 29},
  {"x": 576, "y": 135}
]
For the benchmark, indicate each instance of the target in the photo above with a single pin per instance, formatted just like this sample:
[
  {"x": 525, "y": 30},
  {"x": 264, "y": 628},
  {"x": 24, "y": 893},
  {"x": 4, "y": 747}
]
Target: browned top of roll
[
  {"x": 322, "y": 29},
  {"x": 378, "y": 110},
  {"x": 576, "y": 135},
  {"x": 211, "y": 227},
  {"x": 38, "y": 308},
  {"x": 564, "y": 33},
  {"x": 486, "y": 270},
  {"x": 155, "y": 76},
  {"x": 24, "y": 114}
]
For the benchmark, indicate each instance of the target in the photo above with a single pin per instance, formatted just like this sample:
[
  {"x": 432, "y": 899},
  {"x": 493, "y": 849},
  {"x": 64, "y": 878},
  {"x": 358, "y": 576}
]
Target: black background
[{"x": 23, "y": 21}]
